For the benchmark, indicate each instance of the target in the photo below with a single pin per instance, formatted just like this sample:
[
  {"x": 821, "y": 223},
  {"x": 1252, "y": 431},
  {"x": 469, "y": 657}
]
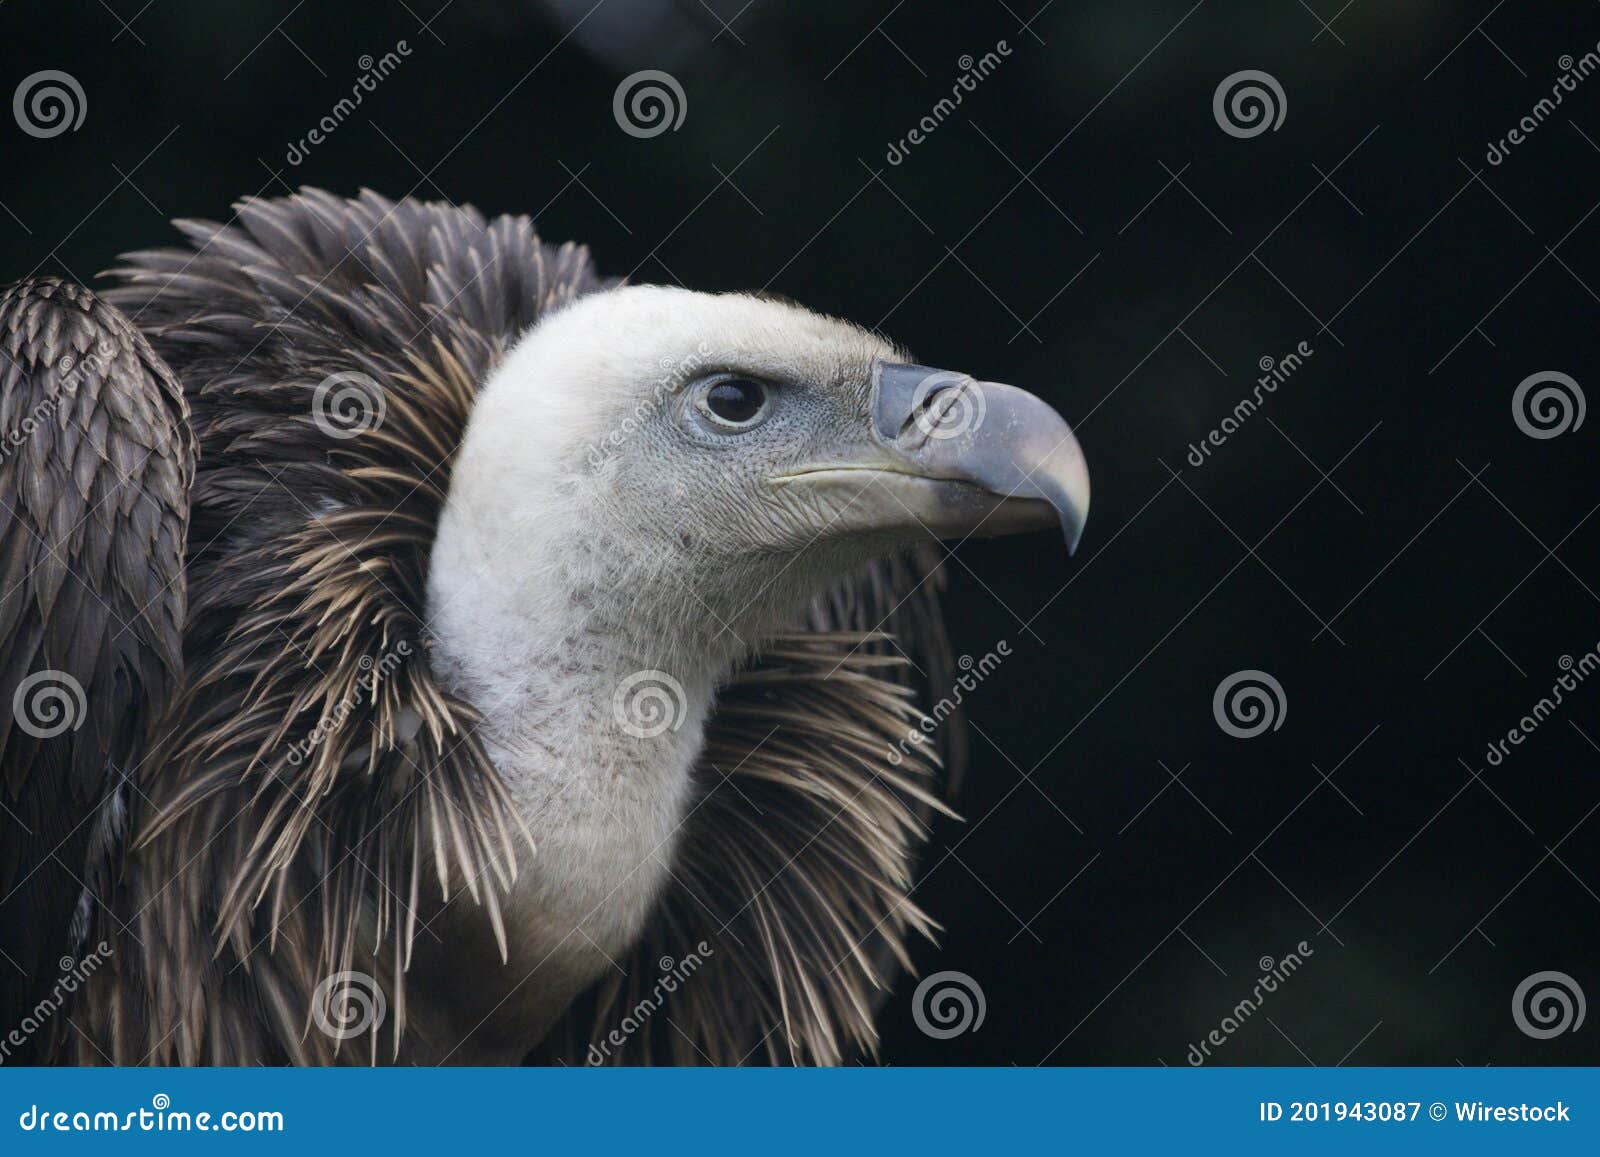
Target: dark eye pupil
[{"x": 735, "y": 400}]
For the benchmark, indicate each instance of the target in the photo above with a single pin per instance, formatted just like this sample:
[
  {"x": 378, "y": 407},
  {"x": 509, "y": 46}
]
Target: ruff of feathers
[{"x": 264, "y": 863}]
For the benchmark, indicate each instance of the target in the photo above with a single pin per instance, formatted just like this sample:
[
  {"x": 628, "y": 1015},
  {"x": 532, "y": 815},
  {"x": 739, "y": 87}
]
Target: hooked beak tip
[{"x": 1074, "y": 535}]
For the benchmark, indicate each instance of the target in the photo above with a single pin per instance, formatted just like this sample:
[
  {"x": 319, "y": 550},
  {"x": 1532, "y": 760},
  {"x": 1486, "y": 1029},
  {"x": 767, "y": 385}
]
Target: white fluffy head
[
  {"x": 600, "y": 527},
  {"x": 590, "y": 464}
]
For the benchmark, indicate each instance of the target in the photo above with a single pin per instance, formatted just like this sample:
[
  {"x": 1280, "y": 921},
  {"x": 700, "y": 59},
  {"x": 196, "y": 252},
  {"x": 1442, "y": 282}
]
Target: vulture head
[
  {"x": 693, "y": 467},
  {"x": 653, "y": 484}
]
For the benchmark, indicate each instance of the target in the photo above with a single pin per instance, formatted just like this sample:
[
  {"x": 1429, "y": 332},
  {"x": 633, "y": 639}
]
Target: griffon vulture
[{"x": 388, "y": 600}]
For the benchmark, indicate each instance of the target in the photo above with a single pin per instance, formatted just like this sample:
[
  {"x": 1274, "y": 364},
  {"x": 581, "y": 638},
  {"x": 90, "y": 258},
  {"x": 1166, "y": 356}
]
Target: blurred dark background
[{"x": 1382, "y": 538}]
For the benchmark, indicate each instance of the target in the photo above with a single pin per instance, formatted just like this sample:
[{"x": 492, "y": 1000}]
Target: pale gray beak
[{"x": 1003, "y": 440}]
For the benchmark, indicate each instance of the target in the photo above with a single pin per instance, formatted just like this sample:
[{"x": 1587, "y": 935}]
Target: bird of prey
[{"x": 417, "y": 648}]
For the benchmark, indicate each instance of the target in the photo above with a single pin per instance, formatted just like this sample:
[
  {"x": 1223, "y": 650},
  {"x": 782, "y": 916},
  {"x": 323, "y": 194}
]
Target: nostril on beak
[
  {"x": 910, "y": 402},
  {"x": 925, "y": 412},
  {"x": 930, "y": 409}
]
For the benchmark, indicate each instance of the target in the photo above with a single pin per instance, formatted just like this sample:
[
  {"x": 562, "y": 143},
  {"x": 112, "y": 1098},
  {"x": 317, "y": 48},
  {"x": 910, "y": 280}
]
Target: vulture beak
[
  {"x": 957, "y": 457},
  {"x": 996, "y": 437}
]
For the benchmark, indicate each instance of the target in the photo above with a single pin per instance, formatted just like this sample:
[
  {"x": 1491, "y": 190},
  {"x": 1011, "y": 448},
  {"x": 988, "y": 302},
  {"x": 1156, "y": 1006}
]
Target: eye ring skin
[{"x": 720, "y": 424}]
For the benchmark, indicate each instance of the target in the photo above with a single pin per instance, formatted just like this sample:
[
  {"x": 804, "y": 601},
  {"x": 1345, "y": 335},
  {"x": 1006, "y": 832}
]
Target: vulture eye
[{"x": 735, "y": 402}]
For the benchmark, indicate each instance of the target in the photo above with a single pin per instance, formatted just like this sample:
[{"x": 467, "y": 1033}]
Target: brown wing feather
[{"x": 94, "y": 500}]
